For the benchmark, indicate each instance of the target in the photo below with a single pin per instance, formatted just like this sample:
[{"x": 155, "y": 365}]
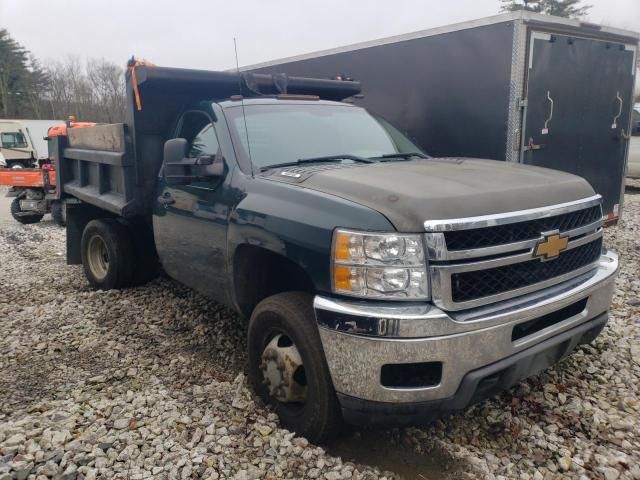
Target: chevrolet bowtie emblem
[{"x": 550, "y": 246}]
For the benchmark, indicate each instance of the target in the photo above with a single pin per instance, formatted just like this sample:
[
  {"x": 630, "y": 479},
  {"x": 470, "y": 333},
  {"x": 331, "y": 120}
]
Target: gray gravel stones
[
  {"x": 143, "y": 383},
  {"x": 148, "y": 383}
]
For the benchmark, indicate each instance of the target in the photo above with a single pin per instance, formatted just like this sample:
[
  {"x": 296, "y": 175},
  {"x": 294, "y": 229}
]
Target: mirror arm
[{"x": 205, "y": 160}]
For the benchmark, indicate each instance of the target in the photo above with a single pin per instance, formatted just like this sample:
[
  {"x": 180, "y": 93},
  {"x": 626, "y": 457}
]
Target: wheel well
[
  {"x": 78, "y": 215},
  {"x": 259, "y": 273}
]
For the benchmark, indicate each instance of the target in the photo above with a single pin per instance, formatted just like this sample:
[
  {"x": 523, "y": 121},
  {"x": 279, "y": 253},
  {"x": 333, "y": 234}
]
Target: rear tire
[
  {"x": 107, "y": 254},
  {"x": 58, "y": 213},
  {"x": 318, "y": 417},
  {"x": 20, "y": 217}
]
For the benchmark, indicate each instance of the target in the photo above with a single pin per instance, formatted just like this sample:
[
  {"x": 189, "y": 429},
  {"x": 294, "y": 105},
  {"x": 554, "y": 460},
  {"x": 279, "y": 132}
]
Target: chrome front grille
[
  {"x": 516, "y": 232},
  {"x": 480, "y": 260},
  {"x": 471, "y": 285}
]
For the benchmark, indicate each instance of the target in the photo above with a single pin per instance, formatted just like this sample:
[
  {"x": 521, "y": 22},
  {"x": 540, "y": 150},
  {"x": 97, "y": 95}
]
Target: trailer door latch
[
  {"x": 523, "y": 102},
  {"x": 533, "y": 146}
]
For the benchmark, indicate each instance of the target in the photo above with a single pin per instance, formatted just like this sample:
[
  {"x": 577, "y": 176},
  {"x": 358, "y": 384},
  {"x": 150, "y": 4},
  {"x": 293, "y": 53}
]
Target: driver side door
[{"x": 190, "y": 220}]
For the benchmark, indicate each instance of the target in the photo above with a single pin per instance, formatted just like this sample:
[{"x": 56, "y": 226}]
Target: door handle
[
  {"x": 545, "y": 130},
  {"x": 166, "y": 199},
  {"x": 533, "y": 146},
  {"x": 614, "y": 125}
]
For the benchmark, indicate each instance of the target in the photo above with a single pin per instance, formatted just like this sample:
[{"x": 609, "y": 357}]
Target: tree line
[{"x": 91, "y": 90}]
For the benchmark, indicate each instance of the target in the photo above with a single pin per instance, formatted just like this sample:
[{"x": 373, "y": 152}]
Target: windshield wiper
[
  {"x": 328, "y": 158},
  {"x": 401, "y": 155}
]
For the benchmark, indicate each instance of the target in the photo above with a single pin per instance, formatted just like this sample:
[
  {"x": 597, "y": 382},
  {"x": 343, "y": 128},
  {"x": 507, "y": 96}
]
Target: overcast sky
[{"x": 199, "y": 33}]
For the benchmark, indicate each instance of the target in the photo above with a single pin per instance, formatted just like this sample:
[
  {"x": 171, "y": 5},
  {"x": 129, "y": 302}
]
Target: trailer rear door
[{"x": 579, "y": 98}]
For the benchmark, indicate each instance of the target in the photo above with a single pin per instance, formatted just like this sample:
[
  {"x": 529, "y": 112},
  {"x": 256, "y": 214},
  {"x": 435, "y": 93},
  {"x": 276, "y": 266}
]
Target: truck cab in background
[{"x": 18, "y": 148}]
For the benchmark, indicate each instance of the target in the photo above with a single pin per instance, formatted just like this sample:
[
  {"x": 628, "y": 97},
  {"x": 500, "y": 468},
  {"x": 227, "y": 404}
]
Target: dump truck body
[{"x": 383, "y": 286}]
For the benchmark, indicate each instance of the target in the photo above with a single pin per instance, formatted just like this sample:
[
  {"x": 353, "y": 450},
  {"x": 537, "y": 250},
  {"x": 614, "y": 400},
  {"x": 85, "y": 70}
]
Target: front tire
[
  {"x": 107, "y": 254},
  {"x": 289, "y": 316},
  {"x": 22, "y": 217}
]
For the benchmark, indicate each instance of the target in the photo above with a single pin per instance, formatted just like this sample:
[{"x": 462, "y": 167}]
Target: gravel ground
[{"x": 149, "y": 382}]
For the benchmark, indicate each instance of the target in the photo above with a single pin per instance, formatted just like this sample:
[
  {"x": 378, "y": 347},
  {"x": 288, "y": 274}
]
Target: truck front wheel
[
  {"x": 287, "y": 367},
  {"x": 107, "y": 254}
]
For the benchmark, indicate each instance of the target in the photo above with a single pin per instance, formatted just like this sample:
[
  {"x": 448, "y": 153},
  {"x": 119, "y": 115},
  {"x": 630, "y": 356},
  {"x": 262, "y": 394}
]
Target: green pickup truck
[{"x": 383, "y": 286}]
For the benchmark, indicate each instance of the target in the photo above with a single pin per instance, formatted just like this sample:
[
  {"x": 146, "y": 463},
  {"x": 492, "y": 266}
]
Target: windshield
[
  {"x": 280, "y": 133},
  {"x": 13, "y": 139}
]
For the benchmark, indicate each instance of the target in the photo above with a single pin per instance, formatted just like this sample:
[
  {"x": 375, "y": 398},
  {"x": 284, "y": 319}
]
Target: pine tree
[
  {"x": 15, "y": 77},
  {"x": 11, "y": 72},
  {"x": 515, "y": 5},
  {"x": 559, "y": 8}
]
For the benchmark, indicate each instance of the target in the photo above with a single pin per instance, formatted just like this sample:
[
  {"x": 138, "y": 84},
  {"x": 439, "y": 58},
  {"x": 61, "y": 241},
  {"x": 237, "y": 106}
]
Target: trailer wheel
[
  {"x": 21, "y": 216},
  {"x": 58, "y": 213},
  {"x": 287, "y": 367},
  {"x": 107, "y": 254}
]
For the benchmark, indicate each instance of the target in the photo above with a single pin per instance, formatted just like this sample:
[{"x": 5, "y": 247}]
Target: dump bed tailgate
[{"x": 96, "y": 165}]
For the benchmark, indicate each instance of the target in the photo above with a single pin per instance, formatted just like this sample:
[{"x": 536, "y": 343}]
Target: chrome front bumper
[{"x": 462, "y": 341}]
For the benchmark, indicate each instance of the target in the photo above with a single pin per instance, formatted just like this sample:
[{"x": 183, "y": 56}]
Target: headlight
[{"x": 379, "y": 265}]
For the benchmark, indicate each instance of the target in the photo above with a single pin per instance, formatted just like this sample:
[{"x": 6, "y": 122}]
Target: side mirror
[
  {"x": 175, "y": 150},
  {"x": 179, "y": 169}
]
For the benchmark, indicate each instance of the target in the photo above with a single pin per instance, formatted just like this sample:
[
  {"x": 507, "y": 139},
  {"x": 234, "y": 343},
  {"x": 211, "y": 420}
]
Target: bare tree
[
  {"x": 36, "y": 82},
  {"x": 91, "y": 91},
  {"x": 107, "y": 82}
]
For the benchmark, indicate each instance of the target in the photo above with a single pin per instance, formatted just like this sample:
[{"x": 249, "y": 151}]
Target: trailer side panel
[{"x": 449, "y": 92}]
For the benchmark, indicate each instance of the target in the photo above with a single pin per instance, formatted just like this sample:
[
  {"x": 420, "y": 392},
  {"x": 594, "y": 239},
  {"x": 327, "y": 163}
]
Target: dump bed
[{"x": 115, "y": 167}]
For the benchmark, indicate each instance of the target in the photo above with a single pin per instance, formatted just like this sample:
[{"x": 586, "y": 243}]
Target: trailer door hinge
[{"x": 523, "y": 103}]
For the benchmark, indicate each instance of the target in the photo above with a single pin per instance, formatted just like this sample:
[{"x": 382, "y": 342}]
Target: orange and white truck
[{"x": 34, "y": 189}]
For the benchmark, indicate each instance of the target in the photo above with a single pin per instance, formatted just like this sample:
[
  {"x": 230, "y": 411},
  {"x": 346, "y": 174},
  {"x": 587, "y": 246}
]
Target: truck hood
[{"x": 410, "y": 192}]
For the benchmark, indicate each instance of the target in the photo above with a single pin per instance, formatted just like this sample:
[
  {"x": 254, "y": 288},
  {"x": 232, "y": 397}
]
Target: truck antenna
[{"x": 244, "y": 116}]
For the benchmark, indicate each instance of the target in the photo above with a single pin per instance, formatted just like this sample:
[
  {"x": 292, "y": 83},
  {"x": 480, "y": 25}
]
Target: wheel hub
[
  {"x": 283, "y": 370},
  {"x": 98, "y": 257}
]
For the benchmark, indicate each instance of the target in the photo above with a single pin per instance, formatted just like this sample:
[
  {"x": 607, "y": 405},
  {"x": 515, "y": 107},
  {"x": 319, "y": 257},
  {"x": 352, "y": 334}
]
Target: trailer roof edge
[{"x": 480, "y": 22}]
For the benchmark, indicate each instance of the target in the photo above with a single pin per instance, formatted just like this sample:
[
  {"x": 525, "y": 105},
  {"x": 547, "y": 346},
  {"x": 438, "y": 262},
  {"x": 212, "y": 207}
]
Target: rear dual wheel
[
  {"x": 288, "y": 369},
  {"x": 107, "y": 254},
  {"x": 117, "y": 254}
]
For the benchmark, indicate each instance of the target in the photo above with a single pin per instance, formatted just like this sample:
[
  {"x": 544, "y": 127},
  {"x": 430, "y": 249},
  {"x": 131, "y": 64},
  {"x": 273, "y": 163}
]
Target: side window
[{"x": 199, "y": 132}]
